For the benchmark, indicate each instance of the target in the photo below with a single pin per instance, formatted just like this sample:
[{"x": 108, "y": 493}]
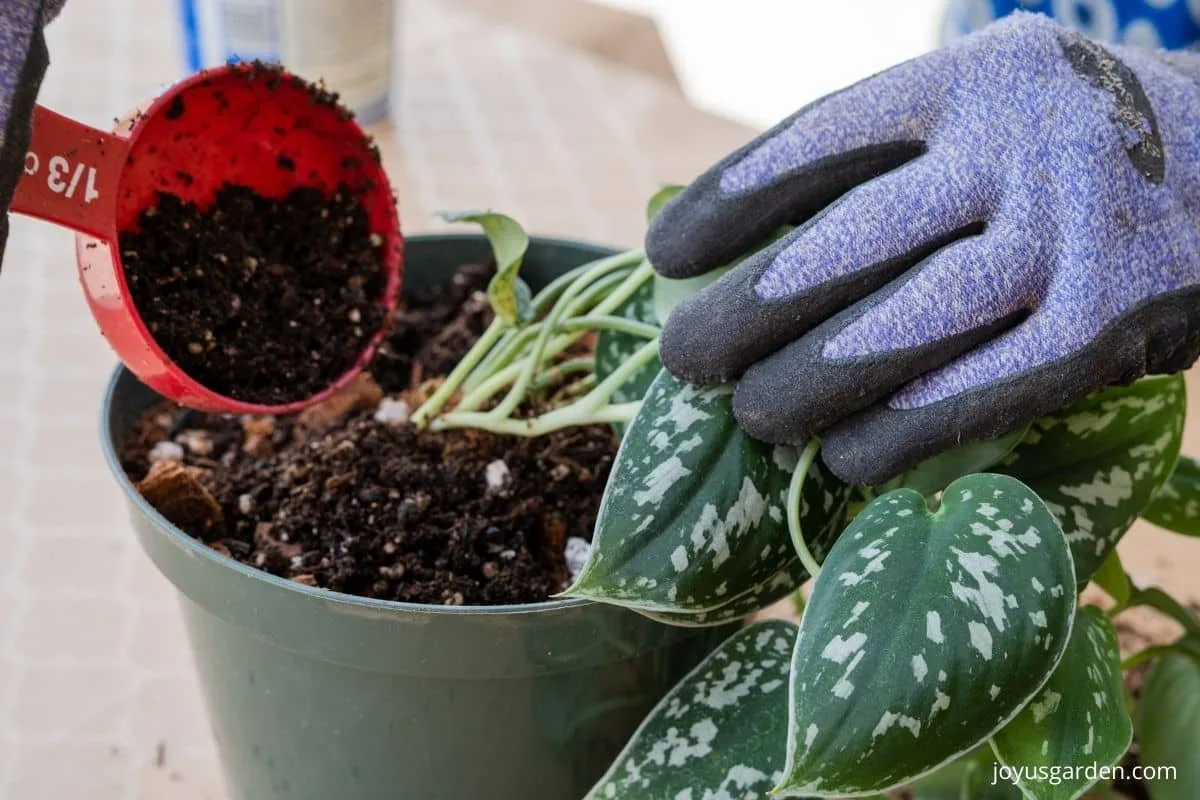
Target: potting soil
[{"x": 349, "y": 496}]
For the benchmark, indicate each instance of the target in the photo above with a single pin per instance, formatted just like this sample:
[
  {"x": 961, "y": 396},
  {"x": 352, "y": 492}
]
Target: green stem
[
  {"x": 599, "y": 396},
  {"x": 461, "y": 370},
  {"x": 486, "y": 389},
  {"x": 517, "y": 393},
  {"x": 539, "y": 426},
  {"x": 559, "y": 371},
  {"x": 593, "y": 322},
  {"x": 514, "y": 341},
  {"x": 793, "y": 507},
  {"x": 1151, "y": 653},
  {"x": 1165, "y": 604}
]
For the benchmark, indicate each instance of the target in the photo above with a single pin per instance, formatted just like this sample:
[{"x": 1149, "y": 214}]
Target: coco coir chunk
[{"x": 261, "y": 299}]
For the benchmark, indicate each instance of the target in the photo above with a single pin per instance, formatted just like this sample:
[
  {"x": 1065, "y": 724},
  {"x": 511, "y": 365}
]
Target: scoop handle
[{"x": 71, "y": 174}]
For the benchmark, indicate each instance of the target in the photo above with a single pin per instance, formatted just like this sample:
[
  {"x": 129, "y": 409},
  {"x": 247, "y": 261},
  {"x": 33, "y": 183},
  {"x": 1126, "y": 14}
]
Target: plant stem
[
  {"x": 559, "y": 371},
  {"x": 1151, "y": 653},
  {"x": 519, "y": 389},
  {"x": 459, "y": 373},
  {"x": 590, "y": 409},
  {"x": 793, "y": 507},
  {"x": 515, "y": 340},
  {"x": 539, "y": 426}
]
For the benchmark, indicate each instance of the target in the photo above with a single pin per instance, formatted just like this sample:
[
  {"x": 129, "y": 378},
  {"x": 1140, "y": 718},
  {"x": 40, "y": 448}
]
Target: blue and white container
[{"x": 346, "y": 43}]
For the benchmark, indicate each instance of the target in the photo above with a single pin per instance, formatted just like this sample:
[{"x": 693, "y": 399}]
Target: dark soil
[
  {"x": 263, "y": 300},
  {"x": 335, "y": 499}
]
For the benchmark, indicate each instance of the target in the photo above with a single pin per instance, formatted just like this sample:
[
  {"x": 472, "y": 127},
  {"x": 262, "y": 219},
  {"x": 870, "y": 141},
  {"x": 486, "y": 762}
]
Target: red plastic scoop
[{"x": 226, "y": 125}]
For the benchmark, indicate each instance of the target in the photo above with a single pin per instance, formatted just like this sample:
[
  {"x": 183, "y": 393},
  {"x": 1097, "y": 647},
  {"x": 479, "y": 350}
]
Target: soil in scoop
[
  {"x": 260, "y": 299},
  {"x": 335, "y": 499}
]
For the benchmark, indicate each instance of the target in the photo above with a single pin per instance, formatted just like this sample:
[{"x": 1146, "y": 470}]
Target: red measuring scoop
[{"x": 229, "y": 124}]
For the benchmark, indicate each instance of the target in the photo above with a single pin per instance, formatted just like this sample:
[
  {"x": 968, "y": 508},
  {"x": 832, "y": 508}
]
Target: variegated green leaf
[
  {"x": 1098, "y": 463},
  {"x": 613, "y": 348},
  {"x": 1176, "y": 507},
  {"x": 509, "y": 296},
  {"x": 935, "y": 474},
  {"x": 778, "y": 586},
  {"x": 693, "y": 516},
  {"x": 1168, "y": 725},
  {"x": 925, "y": 633},
  {"x": 720, "y": 733},
  {"x": 1078, "y": 720}
]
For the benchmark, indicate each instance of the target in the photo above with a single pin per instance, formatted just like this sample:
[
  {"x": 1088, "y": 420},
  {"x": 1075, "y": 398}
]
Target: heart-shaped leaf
[
  {"x": 925, "y": 633},
  {"x": 694, "y": 513},
  {"x": 721, "y": 732},
  {"x": 613, "y": 348},
  {"x": 1098, "y": 463},
  {"x": 761, "y": 596},
  {"x": 935, "y": 474},
  {"x": 1168, "y": 726},
  {"x": 1078, "y": 720},
  {"x": 509, "y": 296},
  {"x": 1176, "y": 507}
]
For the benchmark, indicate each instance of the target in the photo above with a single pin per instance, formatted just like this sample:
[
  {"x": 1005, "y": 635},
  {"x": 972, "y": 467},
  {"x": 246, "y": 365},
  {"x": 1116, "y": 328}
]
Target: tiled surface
[{"x": 97, "y": 695}]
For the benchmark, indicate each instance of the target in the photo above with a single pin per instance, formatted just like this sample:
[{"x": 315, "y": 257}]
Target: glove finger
[
  {"x": 795, "y": 169},
  {"x": 990, "y": 391},
  {"x": 718, "y": 333},
  {"x": 879, "y": 222},
  {"x": 862, "y": 355}
]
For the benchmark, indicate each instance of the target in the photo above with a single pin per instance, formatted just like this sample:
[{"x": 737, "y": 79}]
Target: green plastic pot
[{"x": 317, "y": 695}]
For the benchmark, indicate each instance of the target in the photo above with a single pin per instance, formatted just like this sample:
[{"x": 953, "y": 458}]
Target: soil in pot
[
  {"x": 260, "y": 299},
  {"x": 349, "y": 496}
]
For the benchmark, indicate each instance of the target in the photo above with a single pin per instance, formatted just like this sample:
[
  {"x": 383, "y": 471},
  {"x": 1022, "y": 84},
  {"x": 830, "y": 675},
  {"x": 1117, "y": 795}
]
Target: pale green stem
[
  {"x": 597, "y": 398},
  {"x": 489, "y": 387},
  {"x": 514, "y": 341},
  {"x": 1150, "y": 653},
  {"x": 461, "y": 370},
  {"x": 519, "y": 389},
  {"x": 554, "y": 374},
  {"x": 539, "y": 426},
  {"x": 793, "y": 507},
  {"x": 590, "y": 409},
  {"x": 592, "y": 322},
  {"x": 575, "y": 389}
]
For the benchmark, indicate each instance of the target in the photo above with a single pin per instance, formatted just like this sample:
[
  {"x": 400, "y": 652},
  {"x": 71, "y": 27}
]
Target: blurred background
[{"x": 564, "y": 113}]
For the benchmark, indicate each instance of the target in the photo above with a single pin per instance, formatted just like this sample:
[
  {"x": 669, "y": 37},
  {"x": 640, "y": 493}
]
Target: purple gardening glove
[
  {"x": 23, "y": 62},
  {"x": 989, "y": 232}
]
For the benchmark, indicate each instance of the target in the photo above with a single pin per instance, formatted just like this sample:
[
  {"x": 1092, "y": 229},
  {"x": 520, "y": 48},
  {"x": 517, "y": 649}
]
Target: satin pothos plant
[{"x": 943, "y": 645}]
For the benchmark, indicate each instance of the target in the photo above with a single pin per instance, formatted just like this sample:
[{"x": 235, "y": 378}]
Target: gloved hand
[
  {"x": 1000, "y": 227},
  {"x": 23, "y": 61}
]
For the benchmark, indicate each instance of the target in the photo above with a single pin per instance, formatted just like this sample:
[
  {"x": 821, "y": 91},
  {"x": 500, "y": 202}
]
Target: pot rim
[{"x": 197, "y": 548}]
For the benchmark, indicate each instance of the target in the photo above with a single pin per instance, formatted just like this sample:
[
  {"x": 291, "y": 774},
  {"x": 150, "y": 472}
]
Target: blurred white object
[
  {"x": 348, "y": 44},
  {"x": 756, "y": 61},
  {"x": 578, "y": 551}
]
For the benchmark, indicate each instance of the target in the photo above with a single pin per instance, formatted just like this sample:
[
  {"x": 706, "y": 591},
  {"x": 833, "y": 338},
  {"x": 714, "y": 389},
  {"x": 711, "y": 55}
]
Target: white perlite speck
[
  {"x": 577, "y": 553},
  {"x": 497, "y": 475},
  {"x": 166, "y": 451},
  {"x": 392, "y": 411}
]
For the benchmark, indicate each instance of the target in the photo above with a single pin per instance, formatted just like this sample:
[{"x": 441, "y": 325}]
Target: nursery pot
[{"x": 314, "y": 695}]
